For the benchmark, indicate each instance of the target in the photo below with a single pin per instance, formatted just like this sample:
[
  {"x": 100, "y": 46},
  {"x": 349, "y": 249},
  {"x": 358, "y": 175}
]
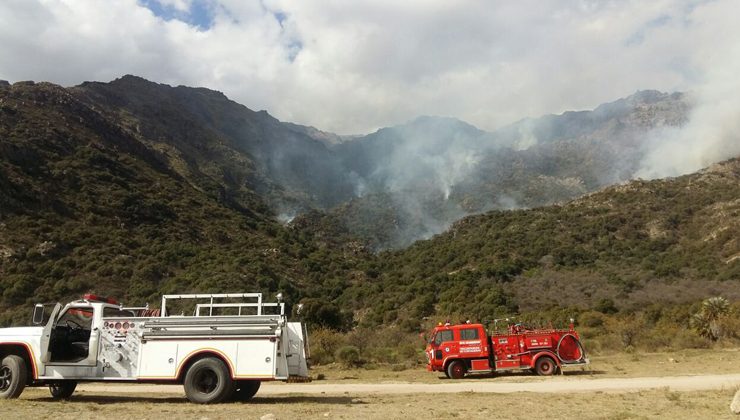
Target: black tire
[
  {"x": 456, "y": 369},
  {"x": 545, "y": 366},
  {"x": 245, "y": 390},
  {"x": 13, "y": 376},
  {"x": 62, "y": 390},
  {"x": 208, "y": 381}
]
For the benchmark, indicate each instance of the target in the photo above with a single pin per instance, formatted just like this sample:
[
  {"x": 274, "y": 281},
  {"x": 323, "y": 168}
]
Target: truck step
[{"x": 299, "y": 379}]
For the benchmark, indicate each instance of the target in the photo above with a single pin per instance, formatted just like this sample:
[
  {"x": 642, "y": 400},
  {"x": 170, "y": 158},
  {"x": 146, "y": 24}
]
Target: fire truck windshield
[{"x": 442, "y": 336}]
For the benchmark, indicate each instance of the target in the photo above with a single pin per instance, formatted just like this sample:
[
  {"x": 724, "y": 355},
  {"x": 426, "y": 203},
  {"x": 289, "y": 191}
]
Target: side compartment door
[
  {"x": 507, "y": 351},
  {"x": 296, "y": 350},
  {"x": 46, "y": 335}
]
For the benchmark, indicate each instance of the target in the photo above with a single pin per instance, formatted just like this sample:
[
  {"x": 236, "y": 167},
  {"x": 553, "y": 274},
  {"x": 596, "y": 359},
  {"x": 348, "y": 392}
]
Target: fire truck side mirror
[{"x": 38, "y": 314}]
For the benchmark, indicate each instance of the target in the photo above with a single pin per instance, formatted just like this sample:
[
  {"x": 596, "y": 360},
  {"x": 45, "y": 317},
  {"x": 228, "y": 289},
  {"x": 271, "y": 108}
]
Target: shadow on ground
[
  {"x": 123, "y": 399},
  {"x": 523, "y": 375}
]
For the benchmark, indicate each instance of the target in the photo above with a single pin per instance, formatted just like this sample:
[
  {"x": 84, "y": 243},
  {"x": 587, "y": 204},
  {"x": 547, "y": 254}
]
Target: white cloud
[{"x": 354, "y": 66}]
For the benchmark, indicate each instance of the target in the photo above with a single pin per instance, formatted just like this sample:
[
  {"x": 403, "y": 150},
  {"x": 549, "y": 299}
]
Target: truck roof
[{"x": 456, "y": 326}]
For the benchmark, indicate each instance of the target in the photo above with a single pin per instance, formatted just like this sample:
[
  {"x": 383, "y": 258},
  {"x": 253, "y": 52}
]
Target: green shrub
[
  {"x": 408, "y": 351},
  {"x": 384, "y": 355},
  {"x": 348, "y": 356},
  {"x": 710, "y": 320}
]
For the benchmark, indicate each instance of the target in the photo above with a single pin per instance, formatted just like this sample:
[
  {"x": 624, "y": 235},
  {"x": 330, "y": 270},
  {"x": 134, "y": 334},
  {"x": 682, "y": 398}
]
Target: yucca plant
[{"x": 707, "y": 321}]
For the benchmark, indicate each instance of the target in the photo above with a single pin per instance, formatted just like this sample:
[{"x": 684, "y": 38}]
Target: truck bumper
[{"x": 582, "y": 363}]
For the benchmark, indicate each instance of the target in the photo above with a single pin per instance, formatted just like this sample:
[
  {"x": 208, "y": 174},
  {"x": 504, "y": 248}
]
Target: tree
[{"x": 321, "y": 312}]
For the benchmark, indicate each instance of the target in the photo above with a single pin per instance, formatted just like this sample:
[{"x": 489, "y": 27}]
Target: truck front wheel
[
  {"x": 456, "y": 369},
  {"x": 208, "y": 381},
  {"x": 545, "y": 366},
  {"x": 245, "y": 390},
  {"x": 13, "y": 373},
  {"x": 62, "y": 390}
]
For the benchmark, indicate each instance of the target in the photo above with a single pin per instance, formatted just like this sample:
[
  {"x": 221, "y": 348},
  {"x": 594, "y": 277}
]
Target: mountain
[
  {"x": 636, "y": 245},
  {"x": 388, "y": 188},
  {"x": 329, "y": 139},
  {"x": 134, "y": 189},
  {"x": 414, "y": 180},
  {"x": 198, "y": 127}
]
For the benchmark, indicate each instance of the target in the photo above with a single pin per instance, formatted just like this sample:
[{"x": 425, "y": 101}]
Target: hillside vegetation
[
  {"x": 88, "y": 202},
  {"x": 672, "y": 240},
  {"x": 127, "y": 189}
]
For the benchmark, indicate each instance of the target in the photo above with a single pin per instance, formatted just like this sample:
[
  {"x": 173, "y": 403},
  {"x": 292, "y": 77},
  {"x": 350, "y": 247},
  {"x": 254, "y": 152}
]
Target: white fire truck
[{"x": 227, "y": 346}]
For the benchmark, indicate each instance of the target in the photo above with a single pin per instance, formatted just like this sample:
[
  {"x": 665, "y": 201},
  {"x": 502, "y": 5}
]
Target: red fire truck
[{"x": 458, "y": 350}]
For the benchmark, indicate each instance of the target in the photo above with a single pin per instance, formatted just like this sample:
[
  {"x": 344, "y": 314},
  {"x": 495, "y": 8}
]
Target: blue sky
[{"x": 200, "y": 13}]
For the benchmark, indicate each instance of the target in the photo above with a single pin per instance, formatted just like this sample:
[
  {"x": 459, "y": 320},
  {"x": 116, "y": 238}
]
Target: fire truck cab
[{"x": 461, "y": 349}]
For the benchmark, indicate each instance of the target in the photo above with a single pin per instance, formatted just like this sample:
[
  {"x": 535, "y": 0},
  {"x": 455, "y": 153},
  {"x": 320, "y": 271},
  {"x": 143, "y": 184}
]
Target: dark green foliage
[
  {"x": 606, "y": 306},
  {"x": 348, "y": 356},
  {"x": 323, "y": 313},
  {"x": 710, "y": 321}
]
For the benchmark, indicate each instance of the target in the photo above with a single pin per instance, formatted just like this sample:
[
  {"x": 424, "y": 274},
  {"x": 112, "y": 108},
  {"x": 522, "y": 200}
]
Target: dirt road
[{"x": 558, "y": 384}]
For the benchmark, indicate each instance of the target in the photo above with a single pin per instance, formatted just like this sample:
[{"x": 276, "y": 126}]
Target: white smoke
[
  {"x": 286, "y": 217},
  {"x": 527, "y": 137},
  {"x": 712, "y": 135},
  {"x": 713, "y": 131}
]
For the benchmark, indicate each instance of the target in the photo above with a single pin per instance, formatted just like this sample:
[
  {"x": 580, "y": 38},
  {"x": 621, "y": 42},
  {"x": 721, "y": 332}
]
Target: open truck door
[
  {"x": 71, "y": 336},
  {"x": 46, "y": 334}
]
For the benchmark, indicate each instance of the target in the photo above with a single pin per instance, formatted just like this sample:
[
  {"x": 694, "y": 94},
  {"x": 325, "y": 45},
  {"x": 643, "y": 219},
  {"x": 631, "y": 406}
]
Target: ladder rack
[{"x": 250, "y": 300}]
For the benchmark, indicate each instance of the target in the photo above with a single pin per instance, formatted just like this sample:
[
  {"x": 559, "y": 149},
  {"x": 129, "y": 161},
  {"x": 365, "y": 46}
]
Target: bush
[
  {"x": 384, "y": 355},
  {"x": 322, "y": 313},
  {"x": 408, "y": 352},
  {"x": 591, "y": 319},
  {"x": 606, "y": 306},
  {"x": 686, "y": 339},
  {"x": 629, "y": 329},
  {"x": 348, "y": 356},
  {"x": 323, "y": 344}
]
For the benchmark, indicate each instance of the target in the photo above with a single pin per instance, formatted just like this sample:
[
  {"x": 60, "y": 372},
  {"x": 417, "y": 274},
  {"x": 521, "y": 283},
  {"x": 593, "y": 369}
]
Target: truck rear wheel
[
  {"x": 456, "y": 369},
  {"x": 62, "y": 390},
  {"x": 545, "y": 366},
  {"x": 13, "y": 373},
  {"x": 245, "y": 390},
  {"x": 208, "y": 381}
]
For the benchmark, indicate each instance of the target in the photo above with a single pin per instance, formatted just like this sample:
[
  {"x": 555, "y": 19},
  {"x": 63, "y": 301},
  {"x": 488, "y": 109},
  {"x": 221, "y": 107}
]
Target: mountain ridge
[{"x": 128, "y": 192}]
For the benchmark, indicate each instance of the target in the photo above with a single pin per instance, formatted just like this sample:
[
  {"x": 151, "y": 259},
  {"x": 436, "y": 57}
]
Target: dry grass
[
  {"x": 635, "y": 405},
  {"x": 659, "y": 403},
  {"x": 622, "y": 365}
]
